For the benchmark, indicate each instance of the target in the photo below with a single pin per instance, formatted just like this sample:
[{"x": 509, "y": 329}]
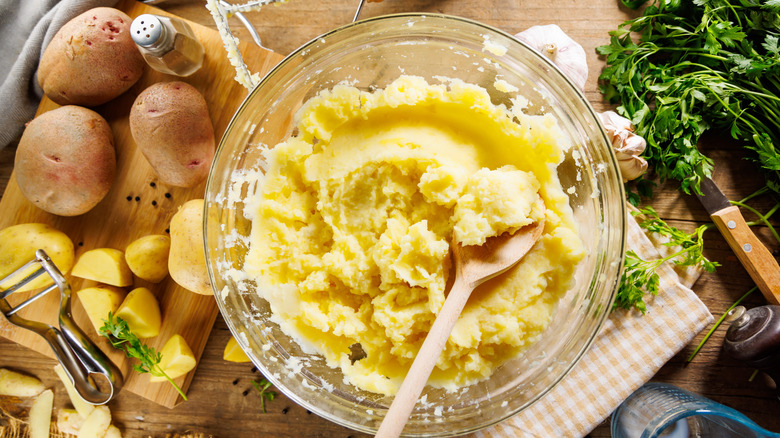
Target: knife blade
[{"x": 754, "y": 256}]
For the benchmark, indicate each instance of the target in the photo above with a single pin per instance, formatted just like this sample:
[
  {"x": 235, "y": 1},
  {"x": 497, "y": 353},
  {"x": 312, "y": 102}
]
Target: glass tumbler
[{"x": 663, "y": 410}]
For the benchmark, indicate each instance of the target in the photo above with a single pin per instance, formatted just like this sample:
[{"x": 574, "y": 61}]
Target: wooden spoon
[{"x": 474, "y": 265}]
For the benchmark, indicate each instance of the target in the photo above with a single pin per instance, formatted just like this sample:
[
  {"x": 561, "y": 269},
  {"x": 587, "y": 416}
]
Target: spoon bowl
[{"x": 474, "y": 265}]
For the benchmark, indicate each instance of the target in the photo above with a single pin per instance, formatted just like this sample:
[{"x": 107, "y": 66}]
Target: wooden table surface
[{"x": 222, "y": 400}]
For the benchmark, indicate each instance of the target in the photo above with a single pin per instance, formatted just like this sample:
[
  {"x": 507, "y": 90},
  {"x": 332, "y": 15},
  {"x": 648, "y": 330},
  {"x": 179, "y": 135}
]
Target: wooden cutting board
[{"x": 138, "y": 204}]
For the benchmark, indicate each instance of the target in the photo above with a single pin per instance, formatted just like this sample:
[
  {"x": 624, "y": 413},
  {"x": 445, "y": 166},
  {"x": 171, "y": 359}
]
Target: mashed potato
[{"x": 350, "y": 240}]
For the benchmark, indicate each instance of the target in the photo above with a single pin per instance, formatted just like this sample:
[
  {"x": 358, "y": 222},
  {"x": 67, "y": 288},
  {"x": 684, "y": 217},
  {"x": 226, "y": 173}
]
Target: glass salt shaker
[{"x": 167, "y": 44}]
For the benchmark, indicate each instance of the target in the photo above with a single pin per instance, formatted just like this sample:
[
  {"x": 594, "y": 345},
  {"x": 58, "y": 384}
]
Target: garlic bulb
[
  {"x": 627, "y": 145},
  {"x": 563, "y": 51}
]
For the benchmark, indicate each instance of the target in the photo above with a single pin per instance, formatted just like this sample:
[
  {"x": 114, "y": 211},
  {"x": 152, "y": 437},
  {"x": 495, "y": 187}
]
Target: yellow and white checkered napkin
[{"x": 628, "y": 351}]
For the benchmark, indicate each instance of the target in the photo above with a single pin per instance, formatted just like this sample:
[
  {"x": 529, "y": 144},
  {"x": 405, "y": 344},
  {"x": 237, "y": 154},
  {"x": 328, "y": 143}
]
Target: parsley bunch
[
  {"x": 697, "y": 65},
  {"x": 640, "y": 276},
  {"x": 117, "y": 332}
]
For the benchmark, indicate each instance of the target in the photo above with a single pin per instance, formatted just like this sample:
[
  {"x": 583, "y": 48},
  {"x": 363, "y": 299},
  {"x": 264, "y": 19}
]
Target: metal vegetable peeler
[{"x": 79, "y": 357}]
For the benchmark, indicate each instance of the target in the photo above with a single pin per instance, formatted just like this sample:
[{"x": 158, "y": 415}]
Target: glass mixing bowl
[{"x": 370, "y": 54}]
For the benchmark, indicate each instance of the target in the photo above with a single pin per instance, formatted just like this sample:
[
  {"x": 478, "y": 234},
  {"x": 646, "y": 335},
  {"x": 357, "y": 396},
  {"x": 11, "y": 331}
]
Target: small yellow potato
[
  {"x": 82, "y": 407},
  {"x": 40, "y": 415},
  {"x": 234, "y": 353},
  {"x": 18, "y": 244},
  {"x": 113, "y": 432},
  {"x": 69, "y": 421},
  {"x": 105, "y": 265},
  {"x": 147, "y": 257},
  {"x": 187, "y": 262},
  {"x": 141, "y": 311},
  {"x": 177, "y": 359},
  {"x": 100, "y": 300},
  {"x": 19, "y": 385},
  {"x": 96, "y": 423}
]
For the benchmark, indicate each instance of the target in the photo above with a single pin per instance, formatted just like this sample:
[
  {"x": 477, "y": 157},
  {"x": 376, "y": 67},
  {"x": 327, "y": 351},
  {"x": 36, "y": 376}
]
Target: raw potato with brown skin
[
  {"x": 65, "y": 162},
  {"x": 170, "y": 123},
  {"x": 187, "y": 260},
  {"x": 91, "y": 59}
]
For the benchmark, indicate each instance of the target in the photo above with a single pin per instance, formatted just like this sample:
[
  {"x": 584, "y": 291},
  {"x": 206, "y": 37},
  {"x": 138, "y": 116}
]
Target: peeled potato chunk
[
  {"x": 177, "y": 359},
  {"x": 234, "y": 353},
  {"x": 100, "y": 300},
  {"x": 141, "y": 311},
  {"x": 106, "y": 265},
  {"x": 147, "y": 257},
  {"x": 19, "y": 385}
]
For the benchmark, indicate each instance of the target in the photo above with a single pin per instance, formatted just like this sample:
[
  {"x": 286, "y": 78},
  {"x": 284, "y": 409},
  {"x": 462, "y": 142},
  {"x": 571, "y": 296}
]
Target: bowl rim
[{"x": 592, "y": 114}]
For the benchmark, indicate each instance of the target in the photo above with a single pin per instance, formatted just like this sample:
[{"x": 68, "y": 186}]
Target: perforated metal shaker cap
[{"x": 146, "y": 30}]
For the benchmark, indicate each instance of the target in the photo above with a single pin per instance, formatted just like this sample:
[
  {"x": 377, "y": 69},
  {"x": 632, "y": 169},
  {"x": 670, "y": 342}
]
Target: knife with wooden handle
[{"x": 754, "y": 256}]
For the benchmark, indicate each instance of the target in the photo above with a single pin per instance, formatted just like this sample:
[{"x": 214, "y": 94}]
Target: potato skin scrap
[
  {"x": 82, "y": 407},
  {"x": 96, "y": 423},
  {"x": 171, "y": 125},
  {"x": 66, "y": 161},
  {"x": 91, "y": 59},
  {"x": 19, "y": 385},
  {"x": 113, "y": 432},
  {"x": 40, "y": 415},
  {"x": 69, "y": 421}
]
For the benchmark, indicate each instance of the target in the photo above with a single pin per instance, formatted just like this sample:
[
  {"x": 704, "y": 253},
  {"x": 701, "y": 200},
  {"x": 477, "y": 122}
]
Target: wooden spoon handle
[
  {"x": 756, "y": 259},
  {"x": 403, "y": 403}
]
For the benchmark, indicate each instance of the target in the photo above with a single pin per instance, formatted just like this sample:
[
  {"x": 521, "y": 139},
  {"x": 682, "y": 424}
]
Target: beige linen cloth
[{"x": 628, "y": 351}]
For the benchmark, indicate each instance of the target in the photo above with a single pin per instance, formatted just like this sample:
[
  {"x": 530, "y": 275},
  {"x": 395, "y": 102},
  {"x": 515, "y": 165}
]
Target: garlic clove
[
  {"x": 633, "y": 145},
  {"x": 627, "y": 145},
  {"x": 563, "y": 51},
  {"x": 632, "y": 168},
  {"x": 611, "y": 119}
]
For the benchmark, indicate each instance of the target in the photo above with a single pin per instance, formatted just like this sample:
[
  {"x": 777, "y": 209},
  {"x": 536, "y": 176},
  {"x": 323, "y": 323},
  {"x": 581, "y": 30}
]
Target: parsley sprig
[
  {"x": 698, "y": 65},
  {"x": 262, "y": 387},
  {"x": 116, "y": 330},
  {"x": 640, "y": 276}
]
